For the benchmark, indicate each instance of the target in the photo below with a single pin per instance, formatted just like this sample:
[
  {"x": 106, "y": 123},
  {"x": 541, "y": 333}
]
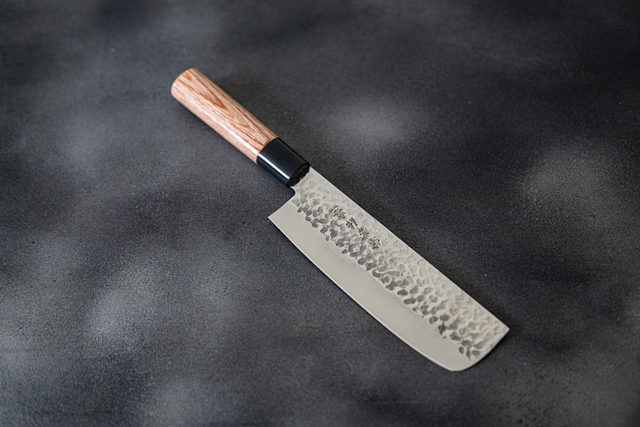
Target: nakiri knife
[{"x": 380, "y": 272}]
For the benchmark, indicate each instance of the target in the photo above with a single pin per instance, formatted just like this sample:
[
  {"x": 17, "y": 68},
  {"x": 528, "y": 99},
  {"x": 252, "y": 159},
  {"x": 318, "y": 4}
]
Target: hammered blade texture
[{"x": 397, "y": 267}]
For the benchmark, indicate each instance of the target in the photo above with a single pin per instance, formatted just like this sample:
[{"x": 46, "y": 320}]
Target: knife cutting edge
[{"x": 386, "y": 277}]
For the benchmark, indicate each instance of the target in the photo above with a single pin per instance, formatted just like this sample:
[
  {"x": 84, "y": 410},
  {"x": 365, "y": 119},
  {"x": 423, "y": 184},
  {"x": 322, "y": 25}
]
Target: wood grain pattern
[{"x": 217, "y": 109}]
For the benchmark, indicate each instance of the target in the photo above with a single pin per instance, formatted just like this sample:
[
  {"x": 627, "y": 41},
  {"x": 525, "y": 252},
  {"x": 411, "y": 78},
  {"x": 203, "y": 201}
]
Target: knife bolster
[{"x": 282, "y": 162}]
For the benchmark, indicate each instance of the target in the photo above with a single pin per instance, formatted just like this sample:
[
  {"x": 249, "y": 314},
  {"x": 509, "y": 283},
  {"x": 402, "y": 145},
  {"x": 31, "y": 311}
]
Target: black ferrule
[{"x": 284, "y": 163}]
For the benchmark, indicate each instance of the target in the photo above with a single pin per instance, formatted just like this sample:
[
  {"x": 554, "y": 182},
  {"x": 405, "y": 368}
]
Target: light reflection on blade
[{"x": 386, "y": 277}]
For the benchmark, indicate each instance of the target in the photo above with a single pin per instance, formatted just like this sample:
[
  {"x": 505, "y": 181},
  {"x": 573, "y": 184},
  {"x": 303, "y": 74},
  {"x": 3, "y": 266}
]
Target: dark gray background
[{"x": 142, "y": 284}]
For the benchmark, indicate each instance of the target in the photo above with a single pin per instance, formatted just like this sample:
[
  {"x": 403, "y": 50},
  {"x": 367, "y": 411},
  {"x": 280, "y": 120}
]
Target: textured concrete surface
[{"x": 142, "y": 284}]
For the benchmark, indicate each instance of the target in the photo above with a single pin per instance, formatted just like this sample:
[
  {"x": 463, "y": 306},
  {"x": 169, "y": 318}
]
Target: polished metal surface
[{"x": 386, "y": 277}]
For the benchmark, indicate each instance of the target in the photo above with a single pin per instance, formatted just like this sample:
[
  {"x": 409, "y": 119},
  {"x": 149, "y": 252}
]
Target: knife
[{"x": 386, "y": 277}]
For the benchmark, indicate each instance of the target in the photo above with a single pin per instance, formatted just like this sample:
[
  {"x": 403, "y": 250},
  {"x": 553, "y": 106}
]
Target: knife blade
[{"x": 381, "y": 273}]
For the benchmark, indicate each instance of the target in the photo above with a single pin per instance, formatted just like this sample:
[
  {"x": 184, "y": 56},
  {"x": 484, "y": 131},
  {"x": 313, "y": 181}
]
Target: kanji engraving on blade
[
  {"x": 338, "y": 212},
  {"x": 374, "y": 242}
]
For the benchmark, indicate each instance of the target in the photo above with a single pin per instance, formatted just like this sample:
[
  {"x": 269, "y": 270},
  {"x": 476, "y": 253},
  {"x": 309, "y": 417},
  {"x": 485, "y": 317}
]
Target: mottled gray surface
[{"x": 142, "y": 284}]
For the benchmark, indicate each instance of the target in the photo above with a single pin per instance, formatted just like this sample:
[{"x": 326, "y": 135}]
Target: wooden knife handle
[
  {"x": 238, "y": 126},
  {"x": 217, "y": 109}
]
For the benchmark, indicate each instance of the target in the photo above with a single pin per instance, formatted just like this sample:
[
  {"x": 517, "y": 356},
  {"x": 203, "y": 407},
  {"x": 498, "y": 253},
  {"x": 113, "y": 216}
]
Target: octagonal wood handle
[{"x": 217, "y": 109}]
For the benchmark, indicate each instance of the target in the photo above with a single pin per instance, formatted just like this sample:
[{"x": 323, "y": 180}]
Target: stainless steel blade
[{"x": 386, "y": 277}]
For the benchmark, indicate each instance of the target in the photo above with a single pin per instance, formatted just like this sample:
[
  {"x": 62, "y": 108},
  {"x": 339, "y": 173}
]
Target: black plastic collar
[{"x": 284, "y": 163}]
